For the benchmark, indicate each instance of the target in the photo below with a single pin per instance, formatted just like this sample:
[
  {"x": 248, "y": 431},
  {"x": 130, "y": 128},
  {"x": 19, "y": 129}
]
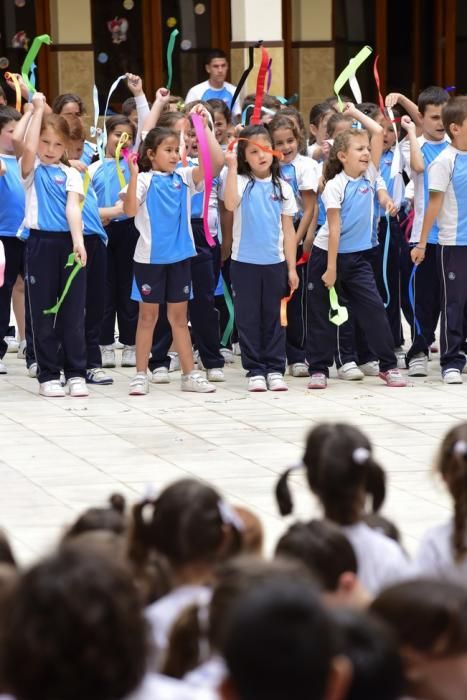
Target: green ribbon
[
  {"x": 170, "y": 50},
  {"x": 350, "y": 70},
  {"x": 337, "y": 314},
  {"x": 71, "y": 259},
  {"x": 230, "y": 308},
  {"x": 30, "y": 58}
]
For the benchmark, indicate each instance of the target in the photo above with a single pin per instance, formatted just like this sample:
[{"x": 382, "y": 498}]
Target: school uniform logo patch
[
  {"x": 186, "y": 289},
  {"x": 146, "y": 290},
  {"x": 274, "y": 197},
  {"x": 311, "y": 286},
  {"x": 59, "y": 179},
  {"x": 363, "y": 189},
  {"x": 177, "y": 186}
]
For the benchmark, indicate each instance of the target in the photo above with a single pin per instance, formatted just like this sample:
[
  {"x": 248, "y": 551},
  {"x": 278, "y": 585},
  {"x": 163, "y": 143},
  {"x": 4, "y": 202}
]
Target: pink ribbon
[{"x": 207, "y": 169}]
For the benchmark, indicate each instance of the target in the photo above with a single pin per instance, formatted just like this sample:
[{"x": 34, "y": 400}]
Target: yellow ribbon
[
  {"x": 350, "y": 71},
  {"x": 121, "y": 142},
  {"x": 86, "y": 183}
]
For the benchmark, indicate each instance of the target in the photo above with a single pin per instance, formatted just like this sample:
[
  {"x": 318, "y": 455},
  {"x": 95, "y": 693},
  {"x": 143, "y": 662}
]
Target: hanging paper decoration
[
  {"x": 118, "y": 27},
  {"x": 170, "y": 50},
  {"x": 20, "y": 41},
  {"x": 20, "y": 3},
  {"x": 199, "y": 8},
  {"x": 102, "y": 57},
  {"x": 4, "y": 62},
  {"x": 185, "y": 45},
  {"x": 128, "y": 4},
  {"x": 171, "y": 22}
]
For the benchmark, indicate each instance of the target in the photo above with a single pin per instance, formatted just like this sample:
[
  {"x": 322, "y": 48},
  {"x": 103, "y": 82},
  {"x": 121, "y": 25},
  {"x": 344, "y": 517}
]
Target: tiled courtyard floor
[{"x": 58, "y": 456}]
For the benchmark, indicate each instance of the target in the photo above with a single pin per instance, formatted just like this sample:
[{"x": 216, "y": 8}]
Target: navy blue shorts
[{"x": 161, "y": 284}]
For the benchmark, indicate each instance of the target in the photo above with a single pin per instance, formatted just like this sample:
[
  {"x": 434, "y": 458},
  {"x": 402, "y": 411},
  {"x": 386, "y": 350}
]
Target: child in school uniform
[
  {"x": 447, "y": 185},
  {"x": 53, "y": 215},
  {"x": 263, "y": 255}
]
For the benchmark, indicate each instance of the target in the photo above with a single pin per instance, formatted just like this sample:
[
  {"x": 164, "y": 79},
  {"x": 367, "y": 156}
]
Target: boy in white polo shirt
[{"x": 447, "y": 184}]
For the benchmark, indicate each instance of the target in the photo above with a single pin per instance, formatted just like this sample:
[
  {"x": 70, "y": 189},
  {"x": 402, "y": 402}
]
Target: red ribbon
[
  {"x": 263, "y": 69},
  {"x": 382, "y": 106},
  {"x": 304, "y": 259}
]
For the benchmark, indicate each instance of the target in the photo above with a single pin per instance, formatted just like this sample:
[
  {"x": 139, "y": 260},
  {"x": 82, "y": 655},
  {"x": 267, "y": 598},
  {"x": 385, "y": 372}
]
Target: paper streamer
[
  {"x": 2, "y": 264},
  {"x": 30, "y": 58},
  {"x": 303, "y": 260},
  {"x": 351, "y": 69},
  {"x": 418, "y": 330},
  {"x": 250, "y": 107},
  {"x": 121, "y": 142},
  {"x": 77, "y": 267},
  {"x": 284, "y": 302},
  {"x": 396, "y": 161},
  {"x": 385, "y": 261},
  {"x": 86, "y": 183},
  {"x": 95, "y": 131},
  {"x": 337, "y": 314},
  {"x": 207, "y": 169},
  {"x": 378, "y": 85},
  {"x": 277, "y": 154},
  {"x": 170, "y": 50},
  {"x": 246, "y": 72},
  {"x": 263, "y": 69},
  {"x": 355, "y": 88},
  {"x": 113, "y": 87},
  {"x": 15, "y": 81},
  {"x": 230, "y": 308}
]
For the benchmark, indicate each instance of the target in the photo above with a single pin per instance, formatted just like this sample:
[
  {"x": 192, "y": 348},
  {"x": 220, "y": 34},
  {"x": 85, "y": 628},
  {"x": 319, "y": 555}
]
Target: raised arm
[
  {"x": 410, "y": 107},
  {"x": 162, "y": 99},
  {"x": 417, "y": 164},
  {"x": 231, "y": 196},
  {"x": 31, "y": 140},
  {"x": 21, "y": 128},
  {"x": 135, "y": 86},
  {"x": 130, "y": 201},
  {"x": 374, "y": 129}
]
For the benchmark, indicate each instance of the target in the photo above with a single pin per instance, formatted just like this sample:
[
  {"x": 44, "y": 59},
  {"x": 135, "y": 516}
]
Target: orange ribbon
[
  {"x": 15, "y": 81},
  {"x": 277, "y": 154},
  {"x": 284, "y": 302}
]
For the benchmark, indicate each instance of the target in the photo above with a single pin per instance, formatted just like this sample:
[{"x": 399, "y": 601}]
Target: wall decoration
[{"x": 118, "y": 27}]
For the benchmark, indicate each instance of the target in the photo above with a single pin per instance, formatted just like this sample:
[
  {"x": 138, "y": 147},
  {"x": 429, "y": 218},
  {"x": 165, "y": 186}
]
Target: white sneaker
[
  {"x": 350, "y": 372},
  {"x": 3, "y": 369},
  {"x": 160, "y": 375},
  {"x": 32, "y": 370},
  {"x": 452, "y": 376},
  {"x": 174, "y": 362},
  {"x": 215, "y": 374},
  {"x": 139, "y": 385},
  {"x": 276, "y": 382},
  {"x": 370, "y": 369},
  {"x": 12, "y": 343},
  {"x": 257, "y": 383},
  {"x": 195, "y": 381},
  {"x": 228, "y": 355},
  {"x": 21, "y": 354},
  {"x": 298, "y": 369},
  {"x": 52, "y": 389},
  {"x": 129, "y": 356},
  {"x": 418, "y": 366},
  {"x": 236, "y": 349},
  {"x": 77, "y": 387},
  {"x": 96, "y": 375},
  {"x": 108, "y": 356}
]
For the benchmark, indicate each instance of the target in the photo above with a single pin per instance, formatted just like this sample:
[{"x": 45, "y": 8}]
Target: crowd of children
[
  {"x": 308, "y": 251},
  {"x": 176, "y": 599}
]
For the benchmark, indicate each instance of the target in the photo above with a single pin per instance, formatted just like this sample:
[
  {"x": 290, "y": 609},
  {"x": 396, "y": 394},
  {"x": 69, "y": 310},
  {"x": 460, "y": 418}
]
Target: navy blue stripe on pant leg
[
  {"x": 247, "y": 290},
  {"x": 14, "y": 266},
  {"x": 453, "y": 264},
  {"x": 321, "y": 340}
]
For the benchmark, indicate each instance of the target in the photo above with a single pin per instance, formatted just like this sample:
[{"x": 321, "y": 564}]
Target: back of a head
[
  {"x": 426, "y": 614},
  {"x": 323, "y": 548},
  {"x": 74, "y": 629},
  {"x": 111, "y": 519},
  {"x": 271, "y": 647},
  {"x": 371, "y": 647}
]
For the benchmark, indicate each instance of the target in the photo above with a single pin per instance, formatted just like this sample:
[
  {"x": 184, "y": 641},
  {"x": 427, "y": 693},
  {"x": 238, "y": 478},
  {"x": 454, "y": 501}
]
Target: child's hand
[
  {"x": 293, "y": 280},
  {"x": 163, "y": 96},
  {"x": 418, "y": 255},
  {"x": 133, "y": 164},
  {"x": 135, "y": 84},
  {"x": 2, "y": 168},
  {"x": 203, "y": 112},
  {"x": 78, "y": 165},
  {"x": 329, "y": 278},
  {"x": 391, "y": 208},
  {"x": 407, "y": 124},
  {"x": 231, "y": 159},
  {"x": 325, "y": 150},
  {"x": 349, "y": 107},
  {"x": 38, "y": 100},
  {"x": 392, "y": 99},
  {"x": 80, "y": 253}
]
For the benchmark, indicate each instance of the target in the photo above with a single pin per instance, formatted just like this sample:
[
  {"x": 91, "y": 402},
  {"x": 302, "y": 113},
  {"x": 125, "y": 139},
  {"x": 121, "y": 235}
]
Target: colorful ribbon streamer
[
  {"x": 2, "y": 264},
  {"x": 230, "y": 308},
  {"x": 288, "y": 100},
  {"x": 121, "y": 142},
  {"x": 268, "y": 86},
  {"x": 385, "y": 261},
  {"x": 337, "y": 314},
  {"x": 86, "y": 183},
  {"x": 382, "y": 106},
  {"x": 78, "y": 265},
  {"x": 418, "y": 330},
  {"x": 207, "y": 169},
  {"x": 263, "y": 69},
  {"x": 351, "y": 69},
  {"x": 304, "y": 259},
  {"x": 284, "y": 302},
  {"x": 30, "y": 58},
  {"x": 170, "y": 50},
  {"x": 277, "y": 154},
  {"x": 396, "y": 160},
  {"x": 246, "y": 72},
  {"x": 15, "y": 81},
  {"x": 355, "y": 88},
  {"x": 113, "y": 87}
]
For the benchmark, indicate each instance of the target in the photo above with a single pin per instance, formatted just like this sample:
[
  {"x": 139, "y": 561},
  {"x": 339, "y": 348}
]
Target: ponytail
[
  {"x": 283, "y": 495},
  {"x": 184, "y": 647},
  {"x": 376, "y": 484}
]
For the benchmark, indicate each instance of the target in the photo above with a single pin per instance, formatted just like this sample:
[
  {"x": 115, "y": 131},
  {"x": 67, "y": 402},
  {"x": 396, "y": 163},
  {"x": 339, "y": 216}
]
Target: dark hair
[
  {"x": 153, "y": 140},
  {"x": 111, "y": 123},
  {"x": 6, "y": 551},
  {"x": 427, "y": 615},
  {"x": 317, "y": 114},
  {"x": 69, "y": 619},
  {"x": 296, "y": 116},
  {"x": 335, "y": 119},
  {"x": 184, "y": 524},
  {"x": 251, "y": 132},
  {"x": 61, "y": 100},
  {"x": 271, "y": 648},
  {"x": 340, "y": 471},
  {"x": 432, "y": 95},
  {"x": 369, "y": 108},
  {"x": 214, "y": 53},
  {"x": 451, "y": 463},
  {"x": 196, "y": 625},
  {"x": 111, "y": 519},
  {"x": 371, "y": 647},
  {"x": 323, "y": 548},
  {"x": 281, "y": 121},
  {"x": 169, "y": 119},
  {"x": 454, "y": 112},
  {"x": 220, "y": 107},
  {"x": 333, "y": 166},
  {"x": 269, "y": 102},
  {"x": 2, "y": 93},
  {"x": 128, "y": 106},
  {"x": 77, "y": 132},
  {"x": 7, "y": 115}
]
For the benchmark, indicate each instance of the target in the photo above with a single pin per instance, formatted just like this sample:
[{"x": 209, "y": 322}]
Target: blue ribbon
[
  {"x": 385, "y": 261},
  {"x": 412, "y": 299}
]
